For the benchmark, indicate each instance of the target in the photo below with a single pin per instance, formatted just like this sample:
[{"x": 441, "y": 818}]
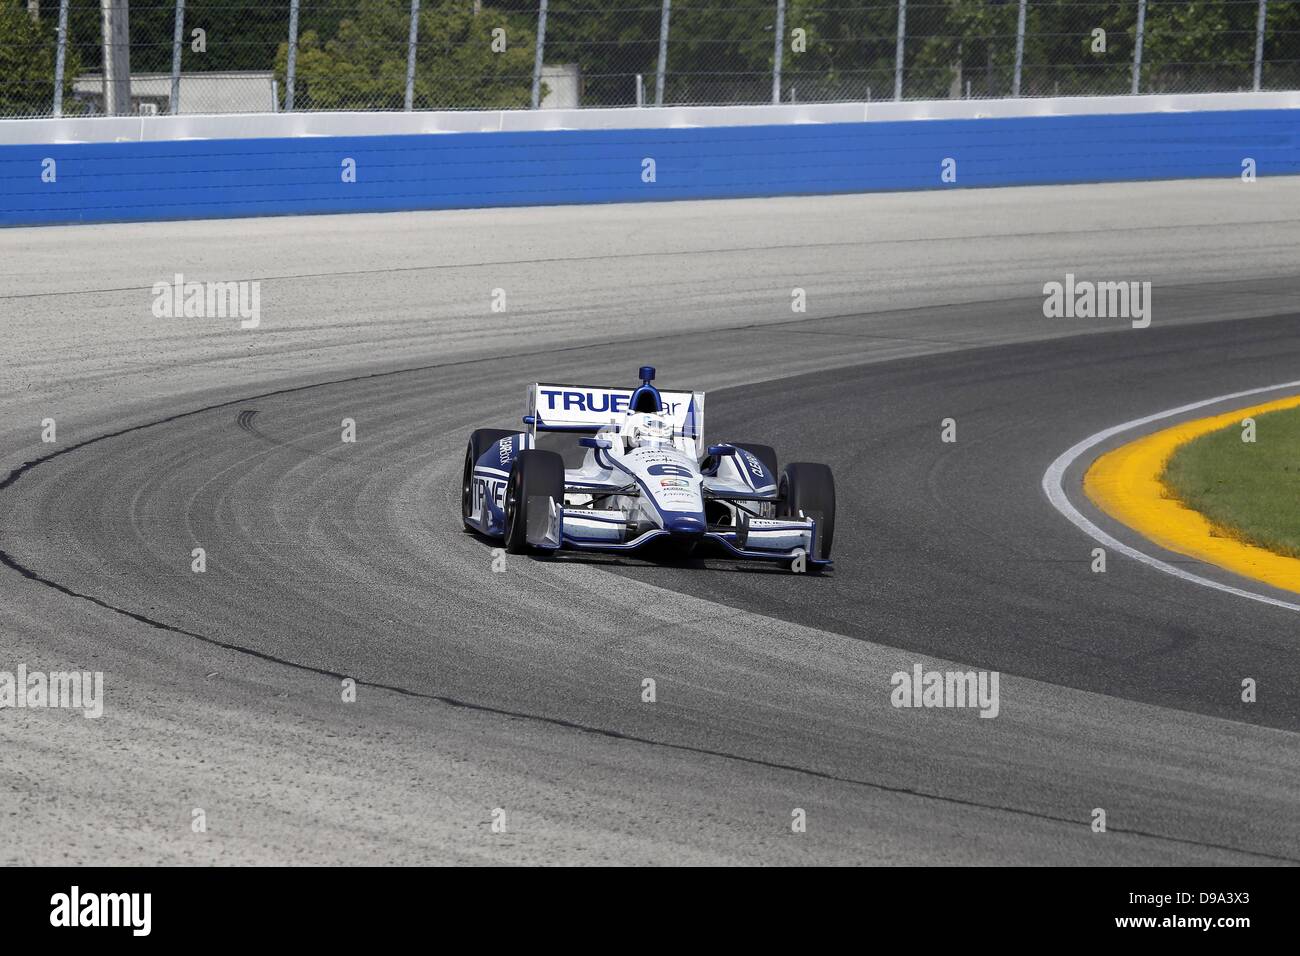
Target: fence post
[
  {"x": 177, "y": 34},
  {"x": 1259, "y": 43},
  {"x": 779, "y": 52},
  {"x": 1020, "y": 49},
  {"x": 898, "y": 50},
  {"x": 59, "y": 57},
  {"x": 1137, "y": 46},
  {"x": 664, "y": 15},
  {"x": 410, "y": 54},
  {"x": 537, "y": 61},
  {"x": 291, "y": 67}
]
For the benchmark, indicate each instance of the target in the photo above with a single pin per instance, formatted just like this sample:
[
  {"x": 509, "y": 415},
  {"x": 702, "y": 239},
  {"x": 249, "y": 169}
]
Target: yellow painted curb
[{"x": 1125, "y": 483}]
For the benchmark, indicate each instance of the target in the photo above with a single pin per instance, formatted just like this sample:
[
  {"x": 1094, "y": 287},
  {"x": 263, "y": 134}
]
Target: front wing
[{"x": 762, "y": 539}]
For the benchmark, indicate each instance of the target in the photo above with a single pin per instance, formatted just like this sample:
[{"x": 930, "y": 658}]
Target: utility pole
[
  {"x": 1259, "y": 42},
  {"x": 779, "y": 51},
  {"x": 664, "y": 13},
  {"x": 411, "y": 44},
  {"x": 117, "y": 57},
  {"x": 1020, "y": 49},
  {"x": 291, "y": 61},
  {"x": 898, "y": 49},
  {"x": 178, "y": 34},
  {"x": 541, "y": 51},
  {"x": 60, "y": 56},
  {"x": 1139, "y": 37}
]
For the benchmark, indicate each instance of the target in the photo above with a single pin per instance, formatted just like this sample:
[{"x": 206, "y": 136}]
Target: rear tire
[
  {"x": 479, "y": 442},
  {"x": 535, "y": 474},
  {"x": 808, "y": 487}
]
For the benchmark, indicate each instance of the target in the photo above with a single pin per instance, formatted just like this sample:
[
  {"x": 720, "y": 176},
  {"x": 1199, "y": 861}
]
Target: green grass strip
[{"x": 1250, "y": 491}]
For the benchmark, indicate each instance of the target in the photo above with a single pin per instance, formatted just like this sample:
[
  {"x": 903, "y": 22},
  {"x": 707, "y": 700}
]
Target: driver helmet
[{"x": 650, "y": 431}]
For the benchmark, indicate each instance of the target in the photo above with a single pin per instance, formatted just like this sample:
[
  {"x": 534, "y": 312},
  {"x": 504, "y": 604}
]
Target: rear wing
[{"x": 588, "y": 408}]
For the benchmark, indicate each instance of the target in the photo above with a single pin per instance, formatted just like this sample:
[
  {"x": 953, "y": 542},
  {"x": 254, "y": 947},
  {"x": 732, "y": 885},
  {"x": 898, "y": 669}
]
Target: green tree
[
  {"x": 1199, "y": 45},
  {"x": 241, "y": 34},
  {"x": 611, "y": 44},
  {"x": 719, "y": 51},
  {"x": 974, "y": 40},
  {"x": 1065, "y": 57},
  {"x": 27, "y": 55},
  {"x": 850, "y": 52},
  {"x": 364, "y": 65},
  {"x": 1282, "y": 47}
]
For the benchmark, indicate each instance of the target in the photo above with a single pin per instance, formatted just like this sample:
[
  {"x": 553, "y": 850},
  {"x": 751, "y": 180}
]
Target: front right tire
[{"x": 808, "y": 488}]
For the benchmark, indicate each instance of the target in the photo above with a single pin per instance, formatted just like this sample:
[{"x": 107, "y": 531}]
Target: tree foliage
[
  {"x": 352, "y": 53},
  {"x": 27, "y": 54},
  {"x": 364, "y": 64}
]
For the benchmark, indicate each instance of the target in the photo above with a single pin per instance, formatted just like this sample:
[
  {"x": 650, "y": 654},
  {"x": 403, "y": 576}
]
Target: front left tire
[{"x": 536, "y": 474}]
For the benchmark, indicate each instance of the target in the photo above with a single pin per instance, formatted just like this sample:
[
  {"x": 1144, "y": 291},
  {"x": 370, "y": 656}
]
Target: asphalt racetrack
[{"x": 521, "y": 689}]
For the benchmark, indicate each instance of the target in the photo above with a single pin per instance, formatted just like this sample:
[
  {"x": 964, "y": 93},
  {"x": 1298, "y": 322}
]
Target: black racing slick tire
[
  {"x": 479, "y": 442},
  {"x": 809, "y": 488},
  {"x": 535, "y": 474}
]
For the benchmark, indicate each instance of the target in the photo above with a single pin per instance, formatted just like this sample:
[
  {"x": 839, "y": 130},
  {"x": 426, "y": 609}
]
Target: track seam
[{"x": 685, "y": 252}]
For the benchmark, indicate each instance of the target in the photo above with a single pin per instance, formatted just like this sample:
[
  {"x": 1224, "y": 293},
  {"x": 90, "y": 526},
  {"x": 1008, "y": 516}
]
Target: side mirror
[
  {"x": 719, "y": 450},
  {"x": 595, "y": 443}
]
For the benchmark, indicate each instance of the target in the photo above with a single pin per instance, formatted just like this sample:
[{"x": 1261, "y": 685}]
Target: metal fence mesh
[{"x": 224, "y": 56}]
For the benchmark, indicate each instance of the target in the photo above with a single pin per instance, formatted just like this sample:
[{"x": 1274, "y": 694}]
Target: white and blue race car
[{"x": 620, "y": 469}]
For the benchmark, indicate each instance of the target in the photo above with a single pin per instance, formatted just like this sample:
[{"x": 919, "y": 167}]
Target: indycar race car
[{"x": 621, "y": 469}]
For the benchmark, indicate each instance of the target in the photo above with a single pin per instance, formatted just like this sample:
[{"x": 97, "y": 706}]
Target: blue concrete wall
[{"x": 191, "y": 179}]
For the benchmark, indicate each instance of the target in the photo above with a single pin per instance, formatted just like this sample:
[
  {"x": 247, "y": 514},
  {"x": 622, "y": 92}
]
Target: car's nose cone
[{"x": 684, "y": 525}]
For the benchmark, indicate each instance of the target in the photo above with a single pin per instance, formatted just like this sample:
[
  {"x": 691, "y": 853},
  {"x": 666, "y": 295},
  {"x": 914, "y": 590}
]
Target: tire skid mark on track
[
  {"x": 8, "y": 560},
  {"x": 785, "y": 692},
  {"x": 245, "y": 420}
]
